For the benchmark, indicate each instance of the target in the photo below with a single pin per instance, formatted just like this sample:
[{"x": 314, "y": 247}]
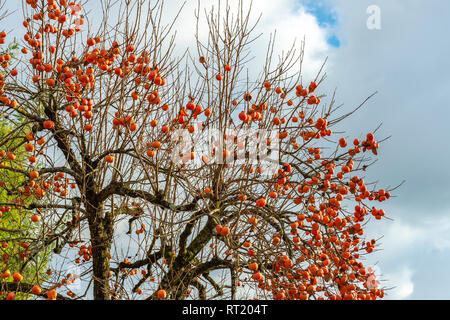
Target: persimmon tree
[{"x": 273, "y": 207}]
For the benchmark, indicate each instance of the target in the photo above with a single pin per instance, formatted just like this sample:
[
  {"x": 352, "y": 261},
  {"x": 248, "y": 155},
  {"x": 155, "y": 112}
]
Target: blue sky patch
[
  {"x": 334, "y": 41},
  {"x": 325, "y": 14},
  {"x": 323, "y": 11}
]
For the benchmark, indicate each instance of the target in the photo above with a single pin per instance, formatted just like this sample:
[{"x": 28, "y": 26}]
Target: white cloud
[
  {"x": 298, "y": 25},
  {"x": 402, "y": 283},
  {"x": 403, "y": 235},
  {"x": 289, "y": 20},
  {"x": 397, "y": 62},
  {"x": 406, "y": 244}
]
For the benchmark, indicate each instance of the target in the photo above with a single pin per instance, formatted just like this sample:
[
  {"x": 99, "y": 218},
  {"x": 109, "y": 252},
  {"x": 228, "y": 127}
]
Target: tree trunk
[{"x": 101, "y": 232}]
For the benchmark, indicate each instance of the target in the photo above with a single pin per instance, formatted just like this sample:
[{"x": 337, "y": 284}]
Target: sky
[{"x": 404, "y": 62}]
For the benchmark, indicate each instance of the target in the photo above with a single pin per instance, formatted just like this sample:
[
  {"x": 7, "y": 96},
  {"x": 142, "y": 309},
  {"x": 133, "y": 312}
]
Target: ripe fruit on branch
[
  {"x": 162, "y": 294},
  {"x": 273, "y": 194},
  {"x": 242, "y": 197},
  {"x": 109, "y": 159},
  {"x": 48, "y": 124},
  {"x": 261, "y": 202},
  {"x": 6, "y": 274},
  {"x": 252, "y": 220},
  {"x": 29, "y": 136},
  {"x": 51, "y": 82},
  {"x": 29, "y": 147},
  {"x": 17, "y": 277},
  {"x": 156, "y": 144},
  {"x": 313, "y": 100},
  {"x": 36, "y": 290},
  {"x": 253, "y": 266},
  {"x": 312, "y": 86},
  {"x": 247, "y": 244},
  {"x": 34, "y": 174},
  {"x": 225, "y": 231},
  {"x": 257, "y": 276},
  {"x": 51, "y": 294}
]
